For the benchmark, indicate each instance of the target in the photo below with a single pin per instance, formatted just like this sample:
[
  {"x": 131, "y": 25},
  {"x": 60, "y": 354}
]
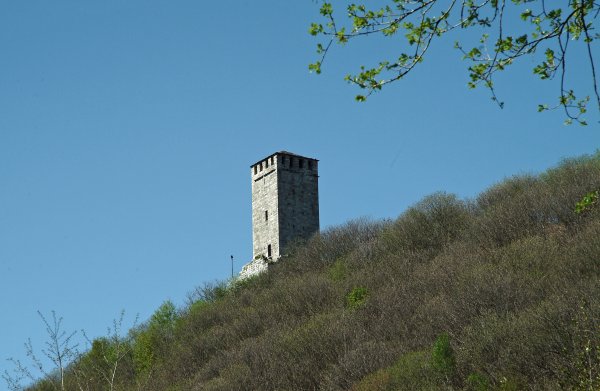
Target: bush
[
  {"x": 152, "y": 340},
  {"x": 477, "y": 382},
  {"x": 338, "y": 271},
  {"x": 509, "y": 211},
  {"x": 335, "y": 243},
  {"x": 588, "y": 201},
  {"x": 357, "y": 297},
  {"x": 413, "y": 371},
  {"x": 442, "y": 356},
  {"x": 428, "y": 226}
]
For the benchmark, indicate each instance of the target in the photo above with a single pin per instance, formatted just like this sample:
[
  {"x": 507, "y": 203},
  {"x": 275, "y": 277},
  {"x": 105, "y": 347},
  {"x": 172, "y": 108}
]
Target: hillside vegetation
[{"x": 497, "y": 293}]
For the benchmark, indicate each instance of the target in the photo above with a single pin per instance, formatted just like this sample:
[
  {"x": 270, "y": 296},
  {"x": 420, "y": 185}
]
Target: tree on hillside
[
  {"x": 60, "y": 350},
  {"x": 105, "y": 357},
  {"x": 553, "y": 28}
]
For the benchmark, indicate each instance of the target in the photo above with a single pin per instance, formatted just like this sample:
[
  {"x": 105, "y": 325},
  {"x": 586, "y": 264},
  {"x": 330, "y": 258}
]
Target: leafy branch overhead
[{"x": 552, "y": 28}]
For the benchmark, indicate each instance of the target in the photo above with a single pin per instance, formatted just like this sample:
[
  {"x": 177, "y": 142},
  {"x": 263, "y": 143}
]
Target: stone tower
[{"x": 285, "y": 202}]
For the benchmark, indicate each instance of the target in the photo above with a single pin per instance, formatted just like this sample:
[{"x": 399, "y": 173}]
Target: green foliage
[
  {"x": 143, "y": 353},
  {"x": 102, "y": 353},
  {"x": 588, "y": 201},
  {"x": 543, "y": 29},
  {"x": 164, "y": 318},
  {"x": 442, "y": 356},
  {"x": 338, "y": 271},
  {"x": 357, "y": 297},
  {"x": 477, "y": 382},
  {"x": 419, "y": 371},
  {"x": 152, "y": 338},
  {"x": 44, "y": 385},
  {"x": 378, "y": 381},
  {"x": 198, "y": 306},
  {"x": 209, "y": 292},
  {"x": 412, "y": 371}
]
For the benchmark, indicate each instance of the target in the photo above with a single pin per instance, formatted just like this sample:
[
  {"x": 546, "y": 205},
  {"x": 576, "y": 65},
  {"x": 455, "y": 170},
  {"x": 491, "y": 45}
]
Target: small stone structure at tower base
[
  {"x": 285, "y": 206},
  {"x": 257, "y": 266}
]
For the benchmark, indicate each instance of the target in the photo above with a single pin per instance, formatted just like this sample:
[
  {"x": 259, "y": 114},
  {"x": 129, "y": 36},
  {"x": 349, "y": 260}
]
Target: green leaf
[
  {"x": 315, "y": 29},
  {"x": 326, "y": 9},
  {"x": 315, "y": 67}
]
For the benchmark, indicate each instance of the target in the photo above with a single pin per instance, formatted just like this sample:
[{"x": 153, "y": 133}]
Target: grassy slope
[{"x": 511, "y": 278}]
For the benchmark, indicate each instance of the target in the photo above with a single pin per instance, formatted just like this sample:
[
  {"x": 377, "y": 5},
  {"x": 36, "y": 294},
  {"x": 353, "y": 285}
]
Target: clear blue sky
[{"x": 127, "y": 129}]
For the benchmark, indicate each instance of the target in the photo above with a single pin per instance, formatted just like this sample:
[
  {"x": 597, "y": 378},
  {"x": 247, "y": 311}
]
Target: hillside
[{"x": 497, "y": 293}]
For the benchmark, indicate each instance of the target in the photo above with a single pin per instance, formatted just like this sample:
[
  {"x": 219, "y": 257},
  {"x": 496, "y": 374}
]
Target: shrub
[
  {"x": 429, "y": 225},
  {"x": 332, "y": 244},
  {"x": 151, "y": 341},
  {"x": 198, "y": 306},
  {"x": 234, "y": 377},
  {"x": 586, "y": 342},
  {"x": 412, "y": 371},
  {"x": 587, "y": 202},
  {"x": 209, "y": 291},
  {"x": 442, "y": 356},
  {"x": 338, "y": 271},
  {"x": 356, "y": 297},
  {"x": 378, "y": 381},
  {"x": 508, "y": 211},
  {"x": 477, "y": 382}
]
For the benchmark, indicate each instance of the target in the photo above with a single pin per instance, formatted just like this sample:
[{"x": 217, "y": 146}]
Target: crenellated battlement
[{"x": 283, "y": 160}]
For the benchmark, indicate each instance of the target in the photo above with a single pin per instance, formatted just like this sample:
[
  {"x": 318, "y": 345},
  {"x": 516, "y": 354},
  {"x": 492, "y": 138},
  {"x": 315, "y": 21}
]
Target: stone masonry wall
[
  {"x": 253, "y": 268},
  {"x": 265, "y": 227},
  {"x": 298, "y": 199}
]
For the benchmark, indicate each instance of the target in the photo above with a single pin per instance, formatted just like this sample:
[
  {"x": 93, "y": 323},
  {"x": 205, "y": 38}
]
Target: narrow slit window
[
  {"x": 255, "y": 170},
  {"x": 309, "y": 165},
  {"x": 269, "y": 251},
  {"x": 300, "y": 163},
  {"x": 267, "y": 163},
  {"x": 266, "y": 215}
]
